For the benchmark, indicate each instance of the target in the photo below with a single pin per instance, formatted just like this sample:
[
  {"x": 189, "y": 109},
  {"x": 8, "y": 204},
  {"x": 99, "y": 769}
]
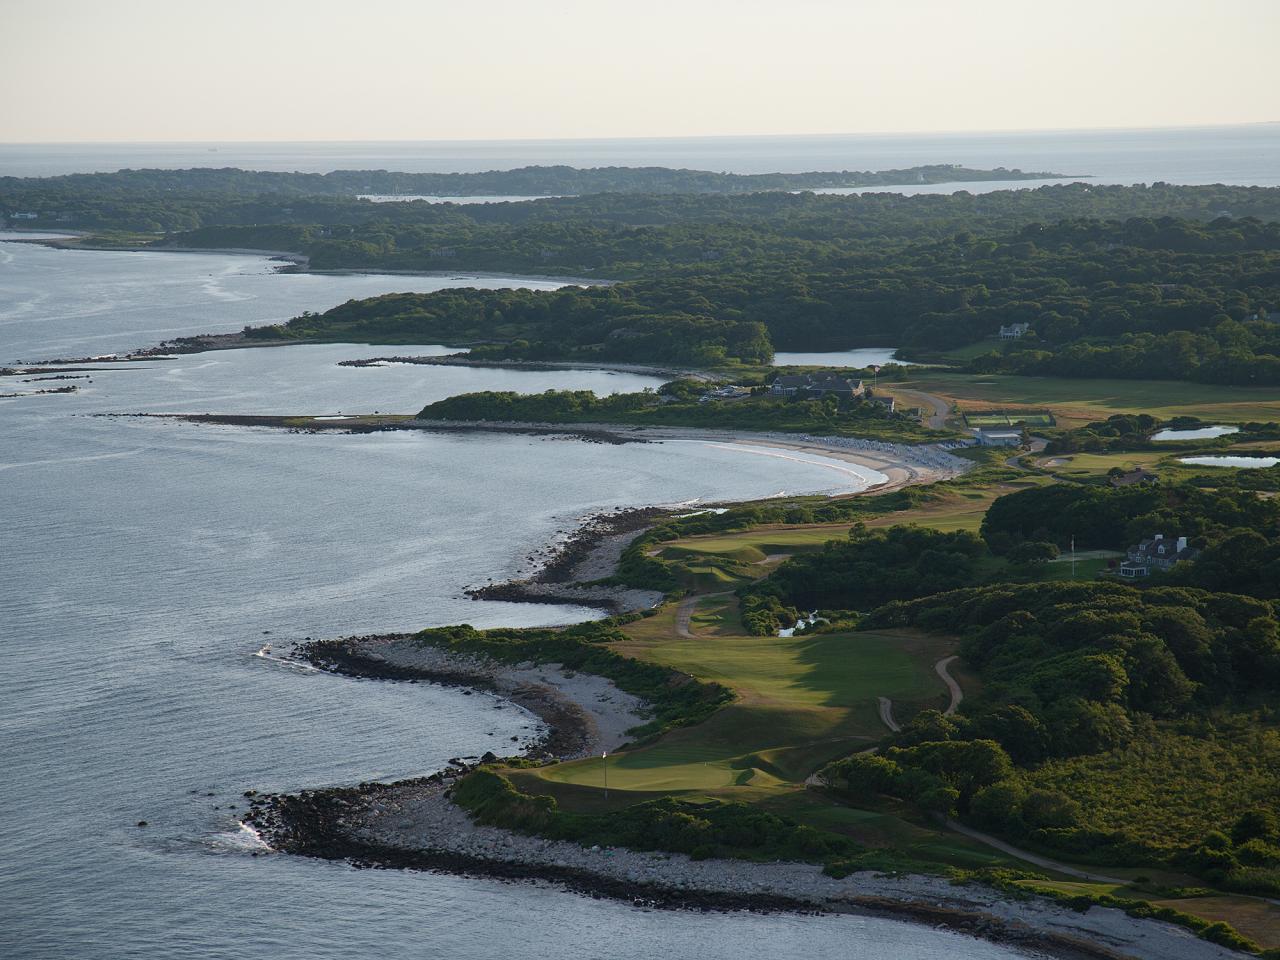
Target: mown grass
[{"x": 800, "y": 702}]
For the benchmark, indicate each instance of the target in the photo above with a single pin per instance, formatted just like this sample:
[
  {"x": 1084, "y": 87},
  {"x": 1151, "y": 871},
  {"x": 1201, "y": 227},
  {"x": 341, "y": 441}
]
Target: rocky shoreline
[
  {"x": 389, "y": 423},
  {"x": 581, "y": 713},
  {"x": 413, "y": 825},
  {"x": 567, "y": 572}
]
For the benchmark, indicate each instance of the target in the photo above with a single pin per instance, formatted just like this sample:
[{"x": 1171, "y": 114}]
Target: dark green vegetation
[
  {"x": 1134, "y": 432},
  {"x": 1112, "y": 724},
  {"x": 675, "y": 699},
  {"x": 1162, "y": 299},
  {"x": 677, "y": 404},
  {"x": 867, "y": 570},
  {"x": 1115, "y": 518},
  {"x": 874, "y": 567},
  {"x": 575, "y": 323},
  {"x": 702, "y": 829},
  {"x": 1137, "y": 282},
  {"x": 526, "y": 181},
  {"x": 1130, "y": 726},
  {"x": 1115, "y": 726}
]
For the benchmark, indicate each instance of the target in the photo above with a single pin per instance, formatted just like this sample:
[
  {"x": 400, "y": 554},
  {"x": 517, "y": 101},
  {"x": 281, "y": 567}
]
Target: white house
[{"x": 1000, "y": 438}]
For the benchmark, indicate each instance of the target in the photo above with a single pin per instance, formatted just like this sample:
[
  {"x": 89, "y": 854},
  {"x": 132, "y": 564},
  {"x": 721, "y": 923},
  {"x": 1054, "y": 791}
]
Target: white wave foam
[{"x": 264, "y": 653}]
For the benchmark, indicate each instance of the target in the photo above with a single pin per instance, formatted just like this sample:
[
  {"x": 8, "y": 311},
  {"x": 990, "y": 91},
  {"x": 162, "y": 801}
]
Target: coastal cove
[{"x": 158, "y": 558}]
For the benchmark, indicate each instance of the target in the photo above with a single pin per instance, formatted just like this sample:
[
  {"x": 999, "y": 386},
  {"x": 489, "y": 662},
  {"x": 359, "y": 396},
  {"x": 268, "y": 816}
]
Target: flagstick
[{"x": 604, "y": 765}]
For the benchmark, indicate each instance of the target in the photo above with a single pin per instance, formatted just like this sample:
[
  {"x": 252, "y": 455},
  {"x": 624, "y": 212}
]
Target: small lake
[
  {"x": 853, "y": 359},
  {"x": 1246, "y": 463},
  {"x": 1199, "y": 433}
]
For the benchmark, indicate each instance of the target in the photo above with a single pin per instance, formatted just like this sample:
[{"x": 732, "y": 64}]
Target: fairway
[
  {"x": 800, "y": 701},
  {"x": 825, "y": 670}
]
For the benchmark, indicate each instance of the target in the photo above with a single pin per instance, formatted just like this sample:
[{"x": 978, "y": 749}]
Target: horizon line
[{"x": 661, "y": 137}]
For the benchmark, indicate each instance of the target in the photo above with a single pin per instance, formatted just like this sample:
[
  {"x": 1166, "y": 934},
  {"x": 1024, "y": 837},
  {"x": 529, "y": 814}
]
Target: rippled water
[{"x": 148, "y": 562}]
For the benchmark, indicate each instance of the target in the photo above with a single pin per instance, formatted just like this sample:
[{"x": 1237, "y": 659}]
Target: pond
[
  {"x": 854, "y": 359},
  {"x": 1199, "y": 433},
  {"x": 1247, "y": 463}
]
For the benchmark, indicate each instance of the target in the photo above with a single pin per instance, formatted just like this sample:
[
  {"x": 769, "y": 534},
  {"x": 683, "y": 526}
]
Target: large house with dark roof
[
  {"x": 788, "y": 385},
  {"x": 1157, "y": 555}
]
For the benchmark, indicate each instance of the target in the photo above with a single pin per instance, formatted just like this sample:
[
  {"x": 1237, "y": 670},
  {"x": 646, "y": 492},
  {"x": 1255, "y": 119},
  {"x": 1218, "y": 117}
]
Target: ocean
[
  {"x": 1247, "y": 154},
  {"x": 155, "y": 571}
]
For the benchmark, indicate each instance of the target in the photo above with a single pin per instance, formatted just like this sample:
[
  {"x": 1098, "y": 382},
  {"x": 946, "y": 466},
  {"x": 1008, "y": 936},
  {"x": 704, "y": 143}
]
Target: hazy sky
[{"x": 422, "y": 69}]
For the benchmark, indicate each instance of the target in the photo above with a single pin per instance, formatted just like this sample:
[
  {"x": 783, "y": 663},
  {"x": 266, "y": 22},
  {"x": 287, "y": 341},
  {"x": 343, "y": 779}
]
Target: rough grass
[
  {"x": 1078, "y": 401},
  {"x": 1172, "y": 788}
]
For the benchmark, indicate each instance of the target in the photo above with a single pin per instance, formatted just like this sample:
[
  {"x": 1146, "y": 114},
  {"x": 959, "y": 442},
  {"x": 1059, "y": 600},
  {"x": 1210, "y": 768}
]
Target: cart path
[
  {"x": 940, "y": 668},
  {"x": 684, "y": 612},
  {"x": 941, "y": 409}
]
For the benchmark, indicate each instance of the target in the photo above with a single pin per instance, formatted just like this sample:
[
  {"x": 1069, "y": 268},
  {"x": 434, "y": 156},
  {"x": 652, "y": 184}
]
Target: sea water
[{"x": 155, "y": 572}]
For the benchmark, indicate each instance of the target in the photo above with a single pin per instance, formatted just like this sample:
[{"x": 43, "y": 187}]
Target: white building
[{"x": 1000, "y": 438}]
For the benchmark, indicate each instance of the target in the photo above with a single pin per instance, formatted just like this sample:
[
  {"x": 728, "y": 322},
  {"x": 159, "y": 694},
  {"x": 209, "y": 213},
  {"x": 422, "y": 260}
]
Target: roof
[
  {"x": 1132, "y": 477},
  {"x": 834, "y": 383},
  {"x": 1162, "y": 549}
]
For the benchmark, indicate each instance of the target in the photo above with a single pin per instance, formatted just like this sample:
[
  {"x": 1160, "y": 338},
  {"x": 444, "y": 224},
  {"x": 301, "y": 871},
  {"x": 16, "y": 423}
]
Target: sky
[{"x": 228, "y": 70}]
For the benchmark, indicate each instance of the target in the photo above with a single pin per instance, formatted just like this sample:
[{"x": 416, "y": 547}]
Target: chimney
[
  {"x": 1158, "y": 536},
  {"x": 1182, "y": 544}
]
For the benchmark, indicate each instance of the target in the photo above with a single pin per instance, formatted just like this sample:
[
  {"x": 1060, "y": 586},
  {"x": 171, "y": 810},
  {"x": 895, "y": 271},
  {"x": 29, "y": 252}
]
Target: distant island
[{"x": 536, "y": 181}]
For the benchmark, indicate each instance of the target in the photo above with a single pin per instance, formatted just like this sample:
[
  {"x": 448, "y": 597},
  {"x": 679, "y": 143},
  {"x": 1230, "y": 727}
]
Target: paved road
[
  {"x": 1029, "y": 857},
  {"x": 940, "y": 668},
  {"x": 684, "y": 612},
  {"x": 956, "y": 693},
  {"x": 886, "y": 714},
  {"x": 941, "y": 409}
]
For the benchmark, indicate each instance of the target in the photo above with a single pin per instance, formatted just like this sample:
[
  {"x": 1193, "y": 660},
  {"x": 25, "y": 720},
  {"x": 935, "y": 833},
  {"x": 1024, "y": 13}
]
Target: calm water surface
[
  {"x": 1199, "y": 433},
  {"x": 854, "y": 359},
  {"x": 1245, "y": 463},
  {"x": 1244, "y": 154},
  {"x": 148, "y": 562}
]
